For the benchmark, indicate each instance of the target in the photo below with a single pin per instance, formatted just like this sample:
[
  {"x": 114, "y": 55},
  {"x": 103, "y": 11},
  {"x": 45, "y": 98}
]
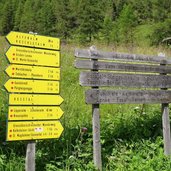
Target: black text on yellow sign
[
  {"x": 33, "y": 72},
  {"x": 32, "y": 86},
  {"x": 32, "y": 56},
  {"x": 28, "y": 130},
  {"x": 34, "y": 113},
  {"x": 32, "y": 40},
  {"x": 35, "y": 99}
]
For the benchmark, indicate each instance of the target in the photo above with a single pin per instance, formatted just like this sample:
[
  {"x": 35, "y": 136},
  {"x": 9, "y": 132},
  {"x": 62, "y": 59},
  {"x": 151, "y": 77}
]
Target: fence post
[
  {"x": 96, "y": 123},
  {"x": 165, "y": 121}
]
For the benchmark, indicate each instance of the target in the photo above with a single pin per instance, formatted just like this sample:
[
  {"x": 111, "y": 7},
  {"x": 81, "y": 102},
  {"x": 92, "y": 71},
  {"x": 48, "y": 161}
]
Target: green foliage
[
  {"x": 107, "y": 28},
  {"x": 143, "y": 10},
  {"x": 143, "y": 34},
  {"x": 28, "y": 20},
  {"x": 86, "y": 21},
  {"x": 90, "y": 19},
  {"x": 161, "y": 10},
  {"x": 126, "y": 23},
  {"x": 161, "y": 31},
  {"x": 13, "y": 163},
  {"x": 18, "y": 15},
  {"x": 45, "y": 19},
  {"x": 141, "y": 155},
  {"x": 6, "y": 23}
]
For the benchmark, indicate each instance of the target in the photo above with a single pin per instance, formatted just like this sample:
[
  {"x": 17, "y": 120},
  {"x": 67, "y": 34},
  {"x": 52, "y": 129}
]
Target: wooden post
[
  {"x": 30, "y": 156},
  {"x": 96, "y": 125},
  {"x": 30, "y": 151},
  {"x": 96, "y": 136},
  {"x": 166, "y": 123},
  {"x": 166, "y": 129}
]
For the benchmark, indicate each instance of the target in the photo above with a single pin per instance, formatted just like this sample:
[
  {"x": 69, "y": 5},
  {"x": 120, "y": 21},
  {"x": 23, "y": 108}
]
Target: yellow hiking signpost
[
  {"x": 35, "y": 99},
  {"x": 34, "y": 72},
  {"x": 28, "y": 130},
  {"x": 31, "y": 40},
  {"x": 33, "y": 87},
  {"x": 34, "y": 112},
  {"x": 32, "y": 56}
]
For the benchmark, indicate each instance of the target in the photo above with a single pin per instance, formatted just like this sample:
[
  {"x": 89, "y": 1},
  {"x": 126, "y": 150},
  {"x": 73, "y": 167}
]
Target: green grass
[{"x": 131, "y": 135}]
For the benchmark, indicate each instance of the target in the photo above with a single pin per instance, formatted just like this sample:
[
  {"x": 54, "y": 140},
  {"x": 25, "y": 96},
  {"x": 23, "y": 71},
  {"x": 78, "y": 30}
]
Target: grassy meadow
[{"x": 131, "y": 135}]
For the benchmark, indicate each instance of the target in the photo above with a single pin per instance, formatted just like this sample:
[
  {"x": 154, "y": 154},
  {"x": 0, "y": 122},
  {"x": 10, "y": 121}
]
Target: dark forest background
[{"x": 110, "y": 21}]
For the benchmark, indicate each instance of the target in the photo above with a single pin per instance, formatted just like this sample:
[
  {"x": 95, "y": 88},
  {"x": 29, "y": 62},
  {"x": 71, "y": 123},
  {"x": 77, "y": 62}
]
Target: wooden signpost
[
  {"x": 103, "y": 67},
  {"x": 33, "y": 88},
  {"x": 112, "y": 66},
  {"x": 99, "y": 96},
  {"x": 124, "y": 80},
  {"x": 115, "y": 56}
]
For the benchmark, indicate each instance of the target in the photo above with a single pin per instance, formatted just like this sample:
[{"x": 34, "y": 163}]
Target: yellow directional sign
[
  {"x": 32, "y": 86},
  {"x": 35, "y": 99},
  {"x": 28, "y": 130},
  {"x": 34, "y": 112},
  {"x": 32, "y": 40},
  {"x": 34, "y": 72},
  {"x": 32, "y": 56}
]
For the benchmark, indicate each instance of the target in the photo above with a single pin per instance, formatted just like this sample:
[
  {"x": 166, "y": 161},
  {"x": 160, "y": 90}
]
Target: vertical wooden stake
[
  {"x": 96, "y": 124},
  {"x": 30, "y": 151},
  {"x": 166, "y": 124},
  {"x": 30, "y": 156},
  {"x": 166, "y": 129},
  {"x": 96, "y": 136}
]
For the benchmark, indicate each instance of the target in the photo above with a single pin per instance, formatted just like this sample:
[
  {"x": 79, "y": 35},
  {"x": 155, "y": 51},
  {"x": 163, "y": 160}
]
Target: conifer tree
[
  {"x": 90, "y": 19},
  {"x": 126, "y": 23},
  {"x": 65, "y": 18},
  {"x": 107, "y": 28},
  {"x": 7, "y": 18},
  {"x": 18, "y": 15},
  {"x": 45, "y": 19},
  {"x": 28, "y": 19}
]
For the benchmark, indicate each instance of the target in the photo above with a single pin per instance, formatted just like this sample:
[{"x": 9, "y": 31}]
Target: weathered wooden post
[
  {"x": 96, "y": 121},
  {"x": 30, "y": 156},
  {"x": 165, "y": 121},
  {"x": 30, "y": 149}
]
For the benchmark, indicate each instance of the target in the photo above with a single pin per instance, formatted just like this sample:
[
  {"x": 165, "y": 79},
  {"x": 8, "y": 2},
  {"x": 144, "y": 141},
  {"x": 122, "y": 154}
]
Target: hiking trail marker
[
  {"x": 33, "y": 56},
  {"x": 33, "y": 130},
  {"x": 33, "y": 87},
  {"x": 33, "y": 72},
  {"x": 32, "y": 40},
  {"x": 34, "y": 112},
  {"x": 35, "y": 99}
]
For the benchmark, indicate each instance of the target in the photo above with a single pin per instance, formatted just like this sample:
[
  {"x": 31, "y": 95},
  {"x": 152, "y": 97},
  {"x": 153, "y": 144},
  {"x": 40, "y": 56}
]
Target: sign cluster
[{"x": 33, "y": 87}]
